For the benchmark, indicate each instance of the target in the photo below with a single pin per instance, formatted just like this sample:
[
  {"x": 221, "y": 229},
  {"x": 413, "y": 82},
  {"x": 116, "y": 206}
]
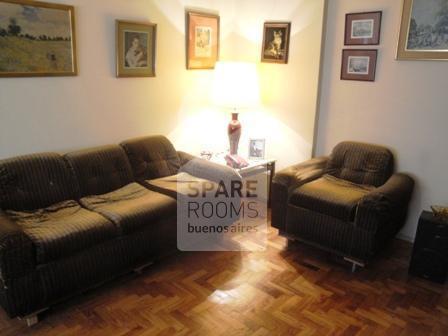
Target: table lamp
[{"x": 235, "y": 88}]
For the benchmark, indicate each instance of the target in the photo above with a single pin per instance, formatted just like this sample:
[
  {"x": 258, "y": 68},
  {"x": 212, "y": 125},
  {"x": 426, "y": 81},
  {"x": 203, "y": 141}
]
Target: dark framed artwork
[
  {"x": 359, "y": 64},
  {"x": 276, "y": 37},
  {"x": 136, "y": 49},
  {"x": 424, "y": 30},
  {"x": 363, "y": 28},
  {"x": 37, "y": 39},
  {"x": 202, "y": 40}
]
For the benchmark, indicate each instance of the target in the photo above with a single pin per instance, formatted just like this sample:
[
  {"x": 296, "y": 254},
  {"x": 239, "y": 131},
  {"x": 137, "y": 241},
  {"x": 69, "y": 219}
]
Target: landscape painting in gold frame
[
  {"x": 424, "y": 30},
  {"x": 37, "y": 39}
]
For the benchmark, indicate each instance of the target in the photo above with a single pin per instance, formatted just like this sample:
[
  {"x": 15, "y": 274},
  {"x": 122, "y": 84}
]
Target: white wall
[
  {"x": 404, "y": 109},
  {"x": 95, "y": 108}
]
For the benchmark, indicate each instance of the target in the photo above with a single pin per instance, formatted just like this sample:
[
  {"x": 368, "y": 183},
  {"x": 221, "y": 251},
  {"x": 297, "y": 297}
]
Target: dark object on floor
[
  {"x": 430, "y": 254},
  {"x": 68, "y": 223},
  {"x": 349, "y": 203}
]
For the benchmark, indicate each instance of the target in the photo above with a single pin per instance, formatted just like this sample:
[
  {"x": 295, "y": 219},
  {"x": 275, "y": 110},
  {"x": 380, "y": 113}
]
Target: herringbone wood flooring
[{"x": 283, "y": 291}]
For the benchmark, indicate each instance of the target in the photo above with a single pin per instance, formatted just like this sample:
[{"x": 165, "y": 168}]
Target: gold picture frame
[
  {"x": 202, "y": 40},
  {"x": 415, "y": 43},
  {"x": 135, "y": 49},
  {"x": 45, "y": 46}
]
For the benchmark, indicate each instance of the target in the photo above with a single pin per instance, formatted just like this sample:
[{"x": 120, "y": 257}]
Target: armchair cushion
[
  {"x": 132, "y": 207},
  {"x": 62, "y": 229},
  {"x": 330, "y": 196},
  {"x": 361, "y": 163}
]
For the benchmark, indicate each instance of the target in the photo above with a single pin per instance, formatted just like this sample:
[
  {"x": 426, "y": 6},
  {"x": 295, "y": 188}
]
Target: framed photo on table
[
  {"x": 359, "y": 64},
  {"x": 136, "y": 49},
  {"x": 363, "y": 28},
  {"x": 257, "y": 149},
  {"x": 202, "y": 40},
  {"x": 424, "y": 30},
  {"x": 37, "y": 39}
]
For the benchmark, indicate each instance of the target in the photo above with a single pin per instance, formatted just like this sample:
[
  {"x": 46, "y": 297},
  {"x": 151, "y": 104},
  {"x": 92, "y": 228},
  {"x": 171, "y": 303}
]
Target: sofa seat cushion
[
  {"x": 330, "y": 196},
  {"x": 63, "y": 229},
  {"x": 182, "y": 184},
  {"x": 132, "y": 207}
]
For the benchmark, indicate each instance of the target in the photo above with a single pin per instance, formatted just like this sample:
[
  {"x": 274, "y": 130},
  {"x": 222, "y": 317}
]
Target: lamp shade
[{"x": 236, "y": 85}]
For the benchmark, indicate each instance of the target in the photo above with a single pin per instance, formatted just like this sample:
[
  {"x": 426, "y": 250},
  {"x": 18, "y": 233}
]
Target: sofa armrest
[
  {"x": 206, "y": 169},
  {"x": 286, "y": 180},
  {"x": 386, "y": 205},
  {"x": 16, "y": 250},
  {"x": 185, "y": 157}
]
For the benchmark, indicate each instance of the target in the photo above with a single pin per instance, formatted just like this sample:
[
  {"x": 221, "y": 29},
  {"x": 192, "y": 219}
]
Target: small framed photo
[
  {"x": 136, "y": 49},
  {"x": 37, "y": 39},
  {"x": 363, "y": 28},
  {"x": 359, "y": 64},
  {"x": 257, "y": 149},
  {"x": 276, "y": 42},
  {"x": 202, "y": 40}
]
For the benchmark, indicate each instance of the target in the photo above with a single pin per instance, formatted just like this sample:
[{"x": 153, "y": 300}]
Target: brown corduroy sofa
[
  {"x": 350, "y": 203},
  {"x": 68, "y": 223}
]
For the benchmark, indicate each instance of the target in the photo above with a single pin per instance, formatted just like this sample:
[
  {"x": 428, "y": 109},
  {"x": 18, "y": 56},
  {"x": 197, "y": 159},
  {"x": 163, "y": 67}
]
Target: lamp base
[{"x": 234, "y": 132}]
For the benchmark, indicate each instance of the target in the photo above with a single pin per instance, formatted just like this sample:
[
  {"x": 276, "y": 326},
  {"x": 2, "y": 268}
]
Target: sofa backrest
[
  {"x": 152, "y": 157},
  {"x": 100, "y": 170},
  {"x": 35, "y": 181},
  {"x": 361, "y": 163}
]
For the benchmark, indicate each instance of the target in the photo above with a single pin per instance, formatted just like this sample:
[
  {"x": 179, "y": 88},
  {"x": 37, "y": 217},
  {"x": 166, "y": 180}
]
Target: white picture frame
[{"x": 257, "y": 149}]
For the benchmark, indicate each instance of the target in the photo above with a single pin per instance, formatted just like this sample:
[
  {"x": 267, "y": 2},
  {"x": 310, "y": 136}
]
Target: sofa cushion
[
  {"x": 181, "y": 184},
  {"x": 100, "y": 170},
  {"x": 132, "y": 207},
  {"x": 330, "y": 196},
  {"x": 35, "y": 181},
  {"x": 63, "y": 229},
  {"x": 152, "y": 157},
  {"x": 361, "y": 163}
]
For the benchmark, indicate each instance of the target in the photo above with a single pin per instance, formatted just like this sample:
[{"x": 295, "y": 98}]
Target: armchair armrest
[
  {"x": 16, "y": 249},
  {"x": 286, "y": 180},
  {"x": 386, "y": 205}
]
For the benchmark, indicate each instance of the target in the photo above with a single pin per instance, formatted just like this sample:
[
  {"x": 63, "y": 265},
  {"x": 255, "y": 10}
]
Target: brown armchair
[{"x": 350, "y": 203}]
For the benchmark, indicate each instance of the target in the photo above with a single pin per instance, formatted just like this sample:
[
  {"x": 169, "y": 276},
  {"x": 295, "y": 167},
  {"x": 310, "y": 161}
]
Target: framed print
[
  {"x": 257, "y": 149},
  {"x": 136, "y": 49},
  {"x": 37, "y": 39},
  {"x": 275, "y": 47},
  {"x": 359, "y": 64},
  {"x": 202, "y": 40},
  {"x": 424, "y": 30},
  {"x": 363, "y": 28}
]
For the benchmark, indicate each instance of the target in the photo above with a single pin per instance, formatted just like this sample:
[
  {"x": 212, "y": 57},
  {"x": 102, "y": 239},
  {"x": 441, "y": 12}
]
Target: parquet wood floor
[{"x": 295, "y": 290}]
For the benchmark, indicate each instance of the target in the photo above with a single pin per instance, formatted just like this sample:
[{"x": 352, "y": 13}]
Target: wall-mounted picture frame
[
  {"x": 37, "y": 39},
  {"x": 424, "y": 31},
  {"x": 257, "y": 149},
  {"x": 363, "y": 28},
  {"x": 359, "y": 64},
  {"x": 202, "y": 40},
  {"x": 275, "y": 48},
  {"x": 135, "y": 49}
]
